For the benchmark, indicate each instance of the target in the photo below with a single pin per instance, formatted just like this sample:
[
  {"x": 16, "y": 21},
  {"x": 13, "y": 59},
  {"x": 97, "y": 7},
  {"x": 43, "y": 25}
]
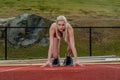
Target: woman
[{"x": 61, "y": 29}]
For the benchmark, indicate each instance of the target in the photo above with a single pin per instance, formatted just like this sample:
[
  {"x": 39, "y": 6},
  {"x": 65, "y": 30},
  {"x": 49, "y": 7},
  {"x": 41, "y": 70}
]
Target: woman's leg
[
  {"x": 56, "y": 48},
  {"x": 68, "y": 60},
  {"x": 69, "y": 50},
  {"x": 55, "y": 54},
  {"x": 55, "y": 61}
]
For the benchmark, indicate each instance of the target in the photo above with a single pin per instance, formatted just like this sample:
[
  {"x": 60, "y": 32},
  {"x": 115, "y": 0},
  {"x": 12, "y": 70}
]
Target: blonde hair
[{"x": 62, "y": 18}]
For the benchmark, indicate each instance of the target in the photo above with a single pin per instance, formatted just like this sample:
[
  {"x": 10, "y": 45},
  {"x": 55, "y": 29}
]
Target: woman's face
[{"x": 61, "y": 25}]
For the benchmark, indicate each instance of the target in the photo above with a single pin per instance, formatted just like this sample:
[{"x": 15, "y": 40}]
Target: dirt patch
[{"x": 77, "y": 20}]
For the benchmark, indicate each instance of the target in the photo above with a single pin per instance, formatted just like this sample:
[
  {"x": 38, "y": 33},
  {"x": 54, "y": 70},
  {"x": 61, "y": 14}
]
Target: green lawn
[
  {"x": 103, "y": 43},
  {"x": 68, "y": 7}
]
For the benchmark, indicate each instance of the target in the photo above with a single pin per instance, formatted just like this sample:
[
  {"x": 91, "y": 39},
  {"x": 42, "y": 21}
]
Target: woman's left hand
[
  {"x": 78, "y": 64},
  {"x": 47, "y": 64}
]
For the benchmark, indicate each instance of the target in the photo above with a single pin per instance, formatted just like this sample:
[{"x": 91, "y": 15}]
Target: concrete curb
[{"x": 84, "y": 60}]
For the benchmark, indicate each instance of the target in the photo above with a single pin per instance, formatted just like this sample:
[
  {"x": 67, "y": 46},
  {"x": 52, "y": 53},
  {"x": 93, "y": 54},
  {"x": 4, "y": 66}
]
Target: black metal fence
[{"x": 88, "y": 27}]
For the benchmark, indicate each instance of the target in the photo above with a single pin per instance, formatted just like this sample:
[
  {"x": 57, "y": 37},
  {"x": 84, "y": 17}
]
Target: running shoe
[
  {"x": 68, "y": 61},
  {"x": 55, "y": 62}
]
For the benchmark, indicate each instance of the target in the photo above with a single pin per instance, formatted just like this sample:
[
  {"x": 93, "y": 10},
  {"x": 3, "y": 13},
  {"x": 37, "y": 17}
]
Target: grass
[
  {"x": 68, "y": 7},
  {"x": 103, "y": 43},
  {"x": 109, "y": 48}
]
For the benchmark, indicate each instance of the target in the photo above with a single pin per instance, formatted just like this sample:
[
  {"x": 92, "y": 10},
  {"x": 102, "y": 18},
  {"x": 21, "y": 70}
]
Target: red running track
[{"x": 87, "y": 72}]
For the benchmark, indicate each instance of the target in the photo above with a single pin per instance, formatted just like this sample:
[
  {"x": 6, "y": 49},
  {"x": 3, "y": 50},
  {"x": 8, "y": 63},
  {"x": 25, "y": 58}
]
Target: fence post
[
  {"x": 90, "y": 40},
  {"x": 5, "y": 43}
]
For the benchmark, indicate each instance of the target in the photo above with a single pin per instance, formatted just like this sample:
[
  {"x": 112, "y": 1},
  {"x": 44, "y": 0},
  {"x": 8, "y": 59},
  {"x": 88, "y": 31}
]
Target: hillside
[{"x": 69, "y": 7}]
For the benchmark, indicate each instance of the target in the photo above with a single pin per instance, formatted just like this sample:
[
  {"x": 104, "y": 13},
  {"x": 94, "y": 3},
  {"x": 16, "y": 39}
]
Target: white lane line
[
  {"x": 59, "y": 69},
  {"x": 112, "y": 59},
  {"x": 11, "y": 69},
  {"x": 108, "y": 66},
  {"x": 114, "y": 67}
]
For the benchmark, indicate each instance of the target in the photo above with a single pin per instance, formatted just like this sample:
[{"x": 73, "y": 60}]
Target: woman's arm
[
  {"x": 51, "y": 32},
  {"x": 72, "y": 42}
]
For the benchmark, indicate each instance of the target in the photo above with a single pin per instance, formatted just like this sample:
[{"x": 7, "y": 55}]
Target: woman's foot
[
  {"x": 68, "y": 61},
  {"x": 56, "y": 62}
]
